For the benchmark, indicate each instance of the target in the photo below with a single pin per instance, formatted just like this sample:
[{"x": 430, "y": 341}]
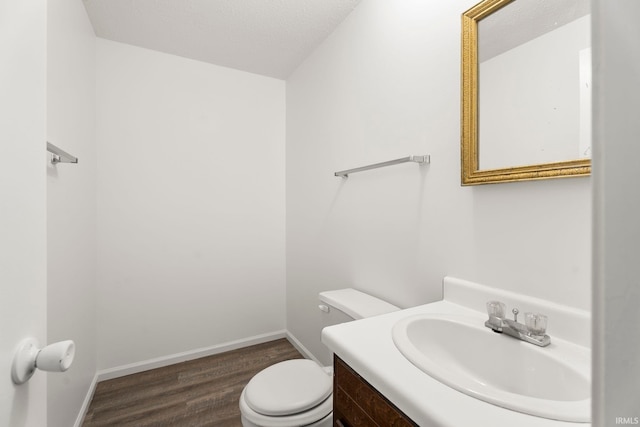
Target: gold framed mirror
[{"x": 526, "y": 91}]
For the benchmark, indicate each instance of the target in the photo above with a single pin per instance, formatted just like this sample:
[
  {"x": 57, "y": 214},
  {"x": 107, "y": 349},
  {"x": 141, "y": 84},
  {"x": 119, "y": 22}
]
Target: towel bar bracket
[{"x": 60, "y": 156}]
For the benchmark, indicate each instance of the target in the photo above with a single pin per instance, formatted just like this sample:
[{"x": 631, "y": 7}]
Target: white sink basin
[{"x": 551, "y": 382}]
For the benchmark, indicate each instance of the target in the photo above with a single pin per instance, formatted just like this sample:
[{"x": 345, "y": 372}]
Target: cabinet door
[{"x": 357, "y": 404}]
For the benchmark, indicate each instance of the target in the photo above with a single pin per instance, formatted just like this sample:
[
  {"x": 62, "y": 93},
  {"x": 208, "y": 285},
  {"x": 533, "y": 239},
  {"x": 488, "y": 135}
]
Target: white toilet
[{"x": 298, "y": 392}]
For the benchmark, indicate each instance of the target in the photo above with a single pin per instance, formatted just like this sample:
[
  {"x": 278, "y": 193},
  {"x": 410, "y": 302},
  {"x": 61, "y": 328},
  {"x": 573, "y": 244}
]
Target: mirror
[{"x": 526, "y": 90}]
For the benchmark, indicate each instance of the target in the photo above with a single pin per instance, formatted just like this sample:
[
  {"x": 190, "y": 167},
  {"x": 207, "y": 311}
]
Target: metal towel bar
[
  {"x": 60, "y": 156},
  {"x": 416, "y": 159}
]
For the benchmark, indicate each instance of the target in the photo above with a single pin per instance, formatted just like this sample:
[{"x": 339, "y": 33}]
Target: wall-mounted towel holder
[
  {"x": 416, "y": 159},
  {"x": 60, "y": 156}
]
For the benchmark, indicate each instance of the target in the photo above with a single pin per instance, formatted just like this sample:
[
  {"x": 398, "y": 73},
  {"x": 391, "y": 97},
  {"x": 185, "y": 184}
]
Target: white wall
[
  {"x": 23, "y": 262},
  {"x": 384, "y": 85},
  {"x": 616, "y": 292},
  {"x": 71, "y": 214},
  {"x": 190, "y": 204}
]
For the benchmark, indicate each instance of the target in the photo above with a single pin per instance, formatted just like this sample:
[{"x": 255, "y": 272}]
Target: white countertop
[{"x": 367, "y": 346}]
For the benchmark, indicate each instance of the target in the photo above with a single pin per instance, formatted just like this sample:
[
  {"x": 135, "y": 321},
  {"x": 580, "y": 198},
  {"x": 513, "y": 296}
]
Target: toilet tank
[
  {"x": 353, "y": 304},
  {"x": 346, "y": 305}
]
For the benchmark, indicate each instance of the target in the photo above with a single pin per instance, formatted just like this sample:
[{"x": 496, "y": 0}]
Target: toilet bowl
[{"x": 298, "y": 392}]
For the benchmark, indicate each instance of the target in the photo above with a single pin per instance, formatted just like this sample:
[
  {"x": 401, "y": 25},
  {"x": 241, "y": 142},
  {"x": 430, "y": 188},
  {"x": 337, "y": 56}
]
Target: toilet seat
[
  {"x": 288, "y": 387},
  {"x": 292, "y": 393}
]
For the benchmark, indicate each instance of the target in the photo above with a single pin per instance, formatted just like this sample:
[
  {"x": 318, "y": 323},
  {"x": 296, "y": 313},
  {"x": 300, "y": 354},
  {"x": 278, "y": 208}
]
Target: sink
[{"x": 457, "y": 350}]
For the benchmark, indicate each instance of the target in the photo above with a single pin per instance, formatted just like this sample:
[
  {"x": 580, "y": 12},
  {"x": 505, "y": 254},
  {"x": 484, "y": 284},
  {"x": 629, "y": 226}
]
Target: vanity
[
  {"x": 357, "y": 403},
  {"x": 376, "y": 383}
]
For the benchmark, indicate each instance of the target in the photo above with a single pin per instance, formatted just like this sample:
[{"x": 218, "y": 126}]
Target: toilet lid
[{"x": 288, "y": 388}]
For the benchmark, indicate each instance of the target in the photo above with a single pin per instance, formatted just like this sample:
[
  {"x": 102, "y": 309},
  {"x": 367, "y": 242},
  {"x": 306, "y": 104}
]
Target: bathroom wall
[
  {"x": 23, "y": 210},
  {"x": 384, "y": 85},
  {"x": 191, "y": 204},
  {"x": 71, "y": 204},
  {"x": 616, "y": 293}
]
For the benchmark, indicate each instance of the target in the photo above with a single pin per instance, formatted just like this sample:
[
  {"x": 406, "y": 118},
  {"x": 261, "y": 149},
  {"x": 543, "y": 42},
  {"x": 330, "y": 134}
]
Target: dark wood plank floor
[{"x": 197, "y": 393}]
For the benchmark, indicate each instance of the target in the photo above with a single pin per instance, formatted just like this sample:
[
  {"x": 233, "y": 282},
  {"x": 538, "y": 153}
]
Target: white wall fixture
[{"x": 56, "y": 357}]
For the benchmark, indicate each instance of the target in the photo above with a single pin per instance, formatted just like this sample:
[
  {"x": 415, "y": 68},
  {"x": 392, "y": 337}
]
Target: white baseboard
[
  {"x": 160, "y": 362},
  {"x": 87, "y": 401}
]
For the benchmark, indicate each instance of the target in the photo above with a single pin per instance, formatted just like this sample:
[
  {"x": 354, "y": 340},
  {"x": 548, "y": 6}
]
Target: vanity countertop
[{"x": 367, "y": 346}]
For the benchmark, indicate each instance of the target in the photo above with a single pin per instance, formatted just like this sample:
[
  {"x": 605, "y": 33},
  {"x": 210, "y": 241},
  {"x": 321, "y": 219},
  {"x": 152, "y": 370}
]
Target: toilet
[{"x": 298, "y": 392}]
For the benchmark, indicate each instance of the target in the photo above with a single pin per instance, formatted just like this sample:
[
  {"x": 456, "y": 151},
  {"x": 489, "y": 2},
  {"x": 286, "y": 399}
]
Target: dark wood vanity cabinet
[{"x": 356, "y": 403}]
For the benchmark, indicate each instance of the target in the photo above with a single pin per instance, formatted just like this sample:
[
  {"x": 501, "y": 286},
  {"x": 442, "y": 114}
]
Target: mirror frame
[{"x": 471, "y": 174}]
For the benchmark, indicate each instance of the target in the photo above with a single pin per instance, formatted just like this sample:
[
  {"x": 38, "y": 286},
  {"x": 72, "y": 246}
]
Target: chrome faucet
[{"x": 533, "y": 331}]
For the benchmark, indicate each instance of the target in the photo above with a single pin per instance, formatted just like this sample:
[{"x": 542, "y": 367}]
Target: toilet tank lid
[{"x": 356, "y": 304}]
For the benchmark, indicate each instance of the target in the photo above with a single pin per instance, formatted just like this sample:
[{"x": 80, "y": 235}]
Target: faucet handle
[
  {"x": 496, "y": 309},
  {"x": 536, "y": 323},
  {"x": 515, "y": 312}
]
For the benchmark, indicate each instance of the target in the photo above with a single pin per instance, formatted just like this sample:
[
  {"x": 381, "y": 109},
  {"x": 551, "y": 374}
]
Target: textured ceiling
[{"x": 268, "y": 37}]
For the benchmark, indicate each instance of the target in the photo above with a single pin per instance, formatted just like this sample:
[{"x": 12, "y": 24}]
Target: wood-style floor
[{"x": 197, "y": 393}]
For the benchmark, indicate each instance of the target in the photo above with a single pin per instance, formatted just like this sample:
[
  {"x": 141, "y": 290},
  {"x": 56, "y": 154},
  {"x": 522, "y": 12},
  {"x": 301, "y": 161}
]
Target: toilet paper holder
[{"x": 56, "y": 357}]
